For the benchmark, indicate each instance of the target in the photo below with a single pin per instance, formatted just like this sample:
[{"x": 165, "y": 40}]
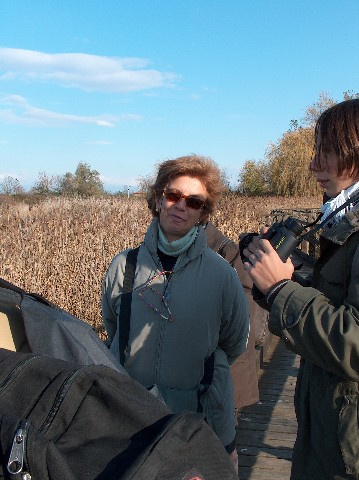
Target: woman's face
[
  {"x": 176, "y": 218},
  {"x": 329, "y": 179}
]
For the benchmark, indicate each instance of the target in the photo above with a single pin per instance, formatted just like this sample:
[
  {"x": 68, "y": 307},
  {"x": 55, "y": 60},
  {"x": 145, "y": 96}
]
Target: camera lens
[{"x": 293, "y": 225}]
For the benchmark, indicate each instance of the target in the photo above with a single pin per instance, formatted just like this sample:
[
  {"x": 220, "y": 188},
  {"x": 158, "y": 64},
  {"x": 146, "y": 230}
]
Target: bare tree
[
  {"x": 11, "y": 186},
  {"x": 46, "y": 184},
  {"x": 313, "y": 112}
]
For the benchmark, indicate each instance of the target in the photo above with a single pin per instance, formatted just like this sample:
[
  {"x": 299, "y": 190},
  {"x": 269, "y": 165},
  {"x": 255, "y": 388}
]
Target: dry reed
[{"x": 61, "y": 248}]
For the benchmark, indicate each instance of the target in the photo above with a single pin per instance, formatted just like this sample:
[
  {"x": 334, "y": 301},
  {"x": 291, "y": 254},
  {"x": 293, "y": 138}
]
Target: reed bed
[{"x": 62, "y": 247}]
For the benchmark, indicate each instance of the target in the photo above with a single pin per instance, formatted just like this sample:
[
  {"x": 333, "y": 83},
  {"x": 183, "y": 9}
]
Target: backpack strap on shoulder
[
  {"x": 22, "y": 292},
  {"x": 208, "y": 371},
  {"x": 125, "y": 308},
  {"x": 206, "y": 380},
  {"x": 11, "y": 286}
]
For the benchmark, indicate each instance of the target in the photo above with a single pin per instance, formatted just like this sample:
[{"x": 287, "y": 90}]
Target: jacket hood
[
  {"x": 341, "y": 231},
  {"x": 196, "y": 249}
]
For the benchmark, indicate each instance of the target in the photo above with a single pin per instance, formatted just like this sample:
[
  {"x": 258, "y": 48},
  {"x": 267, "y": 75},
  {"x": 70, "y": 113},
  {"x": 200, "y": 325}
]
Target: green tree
[
  {"x": 88, "y": 181},
  {"x": 85, "y": 182},
  {"x": 253, "y": 177},
  {"x": 67, "y": 184}
]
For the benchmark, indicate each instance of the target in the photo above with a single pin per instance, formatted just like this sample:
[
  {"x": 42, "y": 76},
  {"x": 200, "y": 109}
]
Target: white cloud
[
  {"x": 81, "y": 70},
  {"x": 21, "y": 112}
]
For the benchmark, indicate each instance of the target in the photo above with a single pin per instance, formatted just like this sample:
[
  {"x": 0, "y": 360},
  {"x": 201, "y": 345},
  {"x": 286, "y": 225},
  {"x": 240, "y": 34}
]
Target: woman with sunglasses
[
  {"x": 189, "y": 315},
  {"x": 321, "y": 322}
]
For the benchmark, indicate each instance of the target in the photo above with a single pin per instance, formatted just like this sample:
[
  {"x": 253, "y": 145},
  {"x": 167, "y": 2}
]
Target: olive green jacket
[{"x": 321, "y": 323}]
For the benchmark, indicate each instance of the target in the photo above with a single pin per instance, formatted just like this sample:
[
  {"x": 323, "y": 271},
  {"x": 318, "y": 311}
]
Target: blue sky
[{"x": 124, "y": 84}]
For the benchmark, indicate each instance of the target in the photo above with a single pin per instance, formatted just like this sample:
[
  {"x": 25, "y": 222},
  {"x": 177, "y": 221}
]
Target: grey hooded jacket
[{"x": 206, "y": 312}]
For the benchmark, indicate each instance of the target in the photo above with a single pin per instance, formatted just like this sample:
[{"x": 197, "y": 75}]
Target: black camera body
[{"x": 284, "y": 236}]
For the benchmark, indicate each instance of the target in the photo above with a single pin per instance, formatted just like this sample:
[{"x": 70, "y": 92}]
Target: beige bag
[{"x": 12, "y": 331}]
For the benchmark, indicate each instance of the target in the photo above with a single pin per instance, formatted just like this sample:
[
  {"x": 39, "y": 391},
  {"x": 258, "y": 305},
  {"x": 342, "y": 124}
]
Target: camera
[{"x": 284, "y": 236}]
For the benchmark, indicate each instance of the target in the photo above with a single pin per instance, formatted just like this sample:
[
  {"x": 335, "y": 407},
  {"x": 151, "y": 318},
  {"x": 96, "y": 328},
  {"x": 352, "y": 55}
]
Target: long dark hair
[{"x": 337, "y": 130}]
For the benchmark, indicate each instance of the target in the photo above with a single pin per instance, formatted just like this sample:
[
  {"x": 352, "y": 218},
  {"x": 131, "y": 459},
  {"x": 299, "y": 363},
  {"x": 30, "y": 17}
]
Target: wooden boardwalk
[{"x": 267, "y": 430}]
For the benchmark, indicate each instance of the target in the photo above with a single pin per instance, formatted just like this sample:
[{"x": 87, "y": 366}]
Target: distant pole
[{"x": 128, "y": 192}]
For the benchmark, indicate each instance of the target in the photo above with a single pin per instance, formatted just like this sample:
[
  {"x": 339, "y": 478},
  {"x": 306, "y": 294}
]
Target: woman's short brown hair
[
  {"x": 202, "y": 168},
  {"x": 337, "y": 130}
]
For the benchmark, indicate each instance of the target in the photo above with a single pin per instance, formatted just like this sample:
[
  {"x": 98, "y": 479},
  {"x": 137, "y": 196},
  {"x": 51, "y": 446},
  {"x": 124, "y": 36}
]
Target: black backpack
[
  {"x": 61, "y": 421},
  {"x": 69, "y": 411},
  {"x": 39, "y": 326}
]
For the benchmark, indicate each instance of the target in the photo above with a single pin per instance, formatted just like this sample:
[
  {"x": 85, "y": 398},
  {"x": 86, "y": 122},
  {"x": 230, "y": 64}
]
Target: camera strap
[{"x": 354, "y": 199}]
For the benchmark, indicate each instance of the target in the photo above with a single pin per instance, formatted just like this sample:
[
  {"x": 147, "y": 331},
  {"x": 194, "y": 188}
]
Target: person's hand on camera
[{"x": 264, "y": 265}]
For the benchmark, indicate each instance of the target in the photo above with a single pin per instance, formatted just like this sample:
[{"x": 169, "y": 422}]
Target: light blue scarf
[
  {"x": 175, "y": 248},
  {"x": 339, "y": 200}
]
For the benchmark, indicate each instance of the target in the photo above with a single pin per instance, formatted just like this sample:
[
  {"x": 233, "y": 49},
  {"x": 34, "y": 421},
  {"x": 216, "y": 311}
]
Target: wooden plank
[
  {"x": 263, "y": 461},
  {"x": 276, "y": 397},
  {"x": 264, "y": 474},
  {"x": 267, "y": 430},
  {"x": 279, "y": 425},
  {"x": 270, "y": 452},
  {"x": 272, "y": 438},
  {"x": 277, "y": 428},
  {"x": 267, "y": 404}
]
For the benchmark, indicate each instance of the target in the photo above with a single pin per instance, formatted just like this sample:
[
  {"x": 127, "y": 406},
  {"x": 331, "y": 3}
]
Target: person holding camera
[
  {"x": 189, "y": 317},
  {"x": 321, "y": 322}
]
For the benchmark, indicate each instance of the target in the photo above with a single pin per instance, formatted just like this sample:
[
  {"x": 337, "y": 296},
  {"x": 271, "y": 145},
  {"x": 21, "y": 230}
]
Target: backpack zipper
[
  {"x": 60, "y": 397},
  {"x": 15, "y": 371},
  {"x": 15, "y": 464}
]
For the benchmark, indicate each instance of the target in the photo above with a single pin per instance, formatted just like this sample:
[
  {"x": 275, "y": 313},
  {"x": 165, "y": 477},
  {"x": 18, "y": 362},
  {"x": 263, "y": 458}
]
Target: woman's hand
[{"x": 264, "y": 265}]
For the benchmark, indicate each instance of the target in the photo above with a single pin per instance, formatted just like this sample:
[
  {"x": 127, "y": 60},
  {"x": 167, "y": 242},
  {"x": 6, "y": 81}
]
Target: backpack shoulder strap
[
  {"x": 11, "y": 286},
  {"x": 206, "y": 381},
  {"x": 125, "y": 308},
  {"x": 14, "y": 288}
]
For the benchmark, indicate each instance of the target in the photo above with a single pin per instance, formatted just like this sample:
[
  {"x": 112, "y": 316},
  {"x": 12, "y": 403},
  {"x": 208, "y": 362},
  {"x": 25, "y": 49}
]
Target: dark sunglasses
[{"x": 191, "y": 202}]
